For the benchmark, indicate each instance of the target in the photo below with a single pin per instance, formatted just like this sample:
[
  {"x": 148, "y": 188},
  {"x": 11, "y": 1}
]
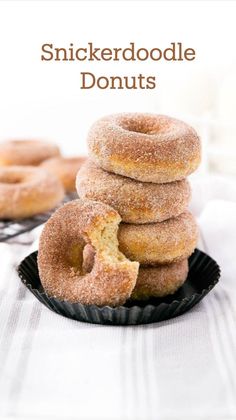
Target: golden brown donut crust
[
  {"x": 159, "y": 243},
  {"x": 145, "y": 147},
  {"x": 152, "y": 281},
  {"x": 26, "y": 152},
  {"x": 26, "y": 191},
  {"x": 160, "y": 281},
  {"x": 60, "y": 258},
  {"x": 135, "y": 201},
  {"x": 65, "y": 168}
]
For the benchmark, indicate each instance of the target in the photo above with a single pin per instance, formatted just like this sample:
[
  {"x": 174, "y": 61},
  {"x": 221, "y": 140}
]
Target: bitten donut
[
  {"x": 159, "y": 243},
  {"x": 26, "y": 191},
  {"x": 26, "y": 152},
  {"x": 145, "y": 147},
  {"x": 160, "y": 281},
  {"x": 135, "y": 201},
  {"x": 152, "y": 281},
  {"x": 65, "y": 169},
  {"x": 60, "y": 258}
]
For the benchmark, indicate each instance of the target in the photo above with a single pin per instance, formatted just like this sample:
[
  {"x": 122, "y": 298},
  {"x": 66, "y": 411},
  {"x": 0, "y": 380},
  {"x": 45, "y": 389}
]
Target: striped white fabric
[{"x": 184, "y": 368}]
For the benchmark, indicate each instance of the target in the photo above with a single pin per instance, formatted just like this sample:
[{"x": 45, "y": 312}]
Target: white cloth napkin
[{"x": 183, "y": 368}]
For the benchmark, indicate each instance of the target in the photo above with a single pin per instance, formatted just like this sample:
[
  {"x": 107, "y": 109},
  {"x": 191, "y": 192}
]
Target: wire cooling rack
[{"x": 11, "y": 228}]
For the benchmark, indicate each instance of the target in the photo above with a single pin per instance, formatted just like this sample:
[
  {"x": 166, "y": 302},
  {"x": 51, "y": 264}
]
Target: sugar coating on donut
[
  {"x": 146, "y": 147},
  {"x": 159, "y": 243},
  {"x": 65, "y": 168},
  {"x": 26, "y": 191},
  {"x": 61, "y": 251},
  {"x": 160, "y": 281},
  {"x": 26, "y": 152},
  {"x": 135, "y": 201},
  {"x": 152, "y": 281}
]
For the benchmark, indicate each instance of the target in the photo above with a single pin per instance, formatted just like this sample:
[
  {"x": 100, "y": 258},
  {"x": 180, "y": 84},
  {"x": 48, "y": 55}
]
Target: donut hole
[
  {"x": 136, "y": 127},
  {"x": 143, "y": 125},
  {"x": 75, "y": 256},
  {"x": 20, "y": 142},
  {"x": 10, "y": 178},
  {"x": 89, "y": 253},
  {"x": 81, "y": 257}
]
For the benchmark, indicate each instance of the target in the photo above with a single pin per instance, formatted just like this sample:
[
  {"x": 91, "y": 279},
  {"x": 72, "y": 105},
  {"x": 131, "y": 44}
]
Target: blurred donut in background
[
  {"x": 26, "y": 191},
  {"x": 26, "y": 152},
  {"x": 65, "y": 169}
]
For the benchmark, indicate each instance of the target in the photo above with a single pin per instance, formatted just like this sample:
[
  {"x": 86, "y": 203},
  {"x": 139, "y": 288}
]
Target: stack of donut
[{"x": 138, "y": 165}]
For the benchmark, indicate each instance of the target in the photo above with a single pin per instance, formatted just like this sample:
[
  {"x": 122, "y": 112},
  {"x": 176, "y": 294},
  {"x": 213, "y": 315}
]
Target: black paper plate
[{"x": 203, "y": 275}]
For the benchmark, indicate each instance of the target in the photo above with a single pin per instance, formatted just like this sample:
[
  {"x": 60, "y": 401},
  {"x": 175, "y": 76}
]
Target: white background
[{"x": 43, "y": 99}]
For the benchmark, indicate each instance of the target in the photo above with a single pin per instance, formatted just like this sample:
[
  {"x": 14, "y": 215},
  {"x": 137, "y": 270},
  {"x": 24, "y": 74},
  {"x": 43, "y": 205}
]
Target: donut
[
  {"x": 136, "y": 201},
  {"x": 65, "y": 169},
  {"x": 60, "y": 258},
  {"x": 159, "y": 243},
  {"x": 26, "y": 191},
  {"x": 152, "y": 281},
  {"x": 160, "y": 281},
  {"x": 145, "y": 147},
  {"x": 26, "y": 152}
]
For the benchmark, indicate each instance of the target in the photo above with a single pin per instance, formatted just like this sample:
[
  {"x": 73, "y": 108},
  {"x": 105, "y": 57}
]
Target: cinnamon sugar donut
[
  {"x": 60, "y": 258},
  {"x": 159, "y": 243},
  {"x": 65, "y": 168},
  {"x": 152, "y": 281},
  {"x": 145, "y": 147},
  {"x": 135, "y": 201},
  {"x": 26, "y": 152},
  {"x": 26, "y": 191},
  {"x": 160, "y": 281}
]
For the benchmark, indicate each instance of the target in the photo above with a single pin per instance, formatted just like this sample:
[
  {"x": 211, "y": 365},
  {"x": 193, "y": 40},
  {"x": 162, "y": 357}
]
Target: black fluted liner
[{"x": 203, "y": 275}]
